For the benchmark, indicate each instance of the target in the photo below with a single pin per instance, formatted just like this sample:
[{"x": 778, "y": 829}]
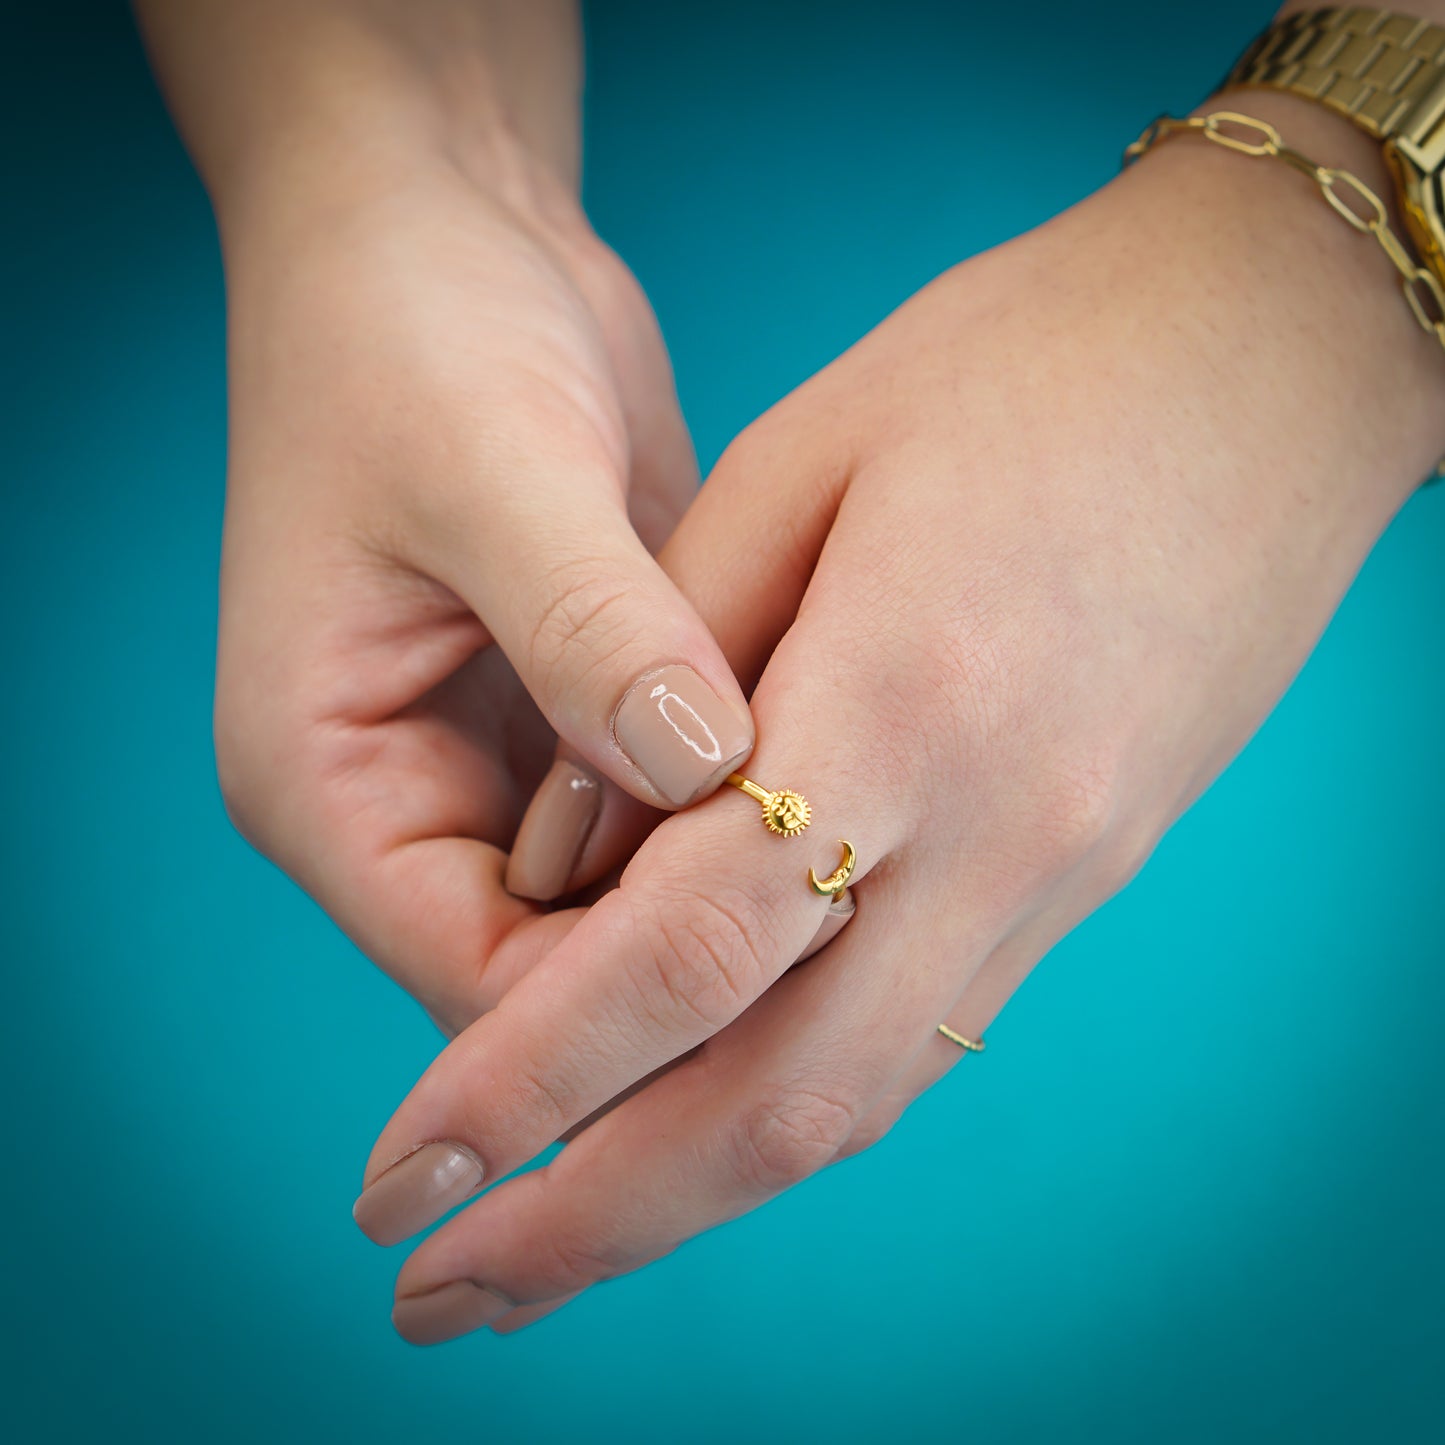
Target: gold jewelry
[
  {"x": 1385, "y": 72},
  {"x": 1348, "y": 196},
  {"x": 787, "y": 813},
  {"x": 836, "y": 882},
  {"x": 971, "y": 1046}
]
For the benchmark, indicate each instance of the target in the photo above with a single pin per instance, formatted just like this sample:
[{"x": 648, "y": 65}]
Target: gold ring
[
  {"x": 972, "y": 1046},
  {"x": 833, "y": 885},
  {"x": 787, "y": 814}
]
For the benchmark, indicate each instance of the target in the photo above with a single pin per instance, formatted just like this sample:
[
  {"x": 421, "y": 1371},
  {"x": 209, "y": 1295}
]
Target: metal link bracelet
[{"x": 1348, "y": 196}]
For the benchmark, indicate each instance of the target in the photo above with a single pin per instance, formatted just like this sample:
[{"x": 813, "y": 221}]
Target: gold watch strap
[{"x": 1374, "y": 67}]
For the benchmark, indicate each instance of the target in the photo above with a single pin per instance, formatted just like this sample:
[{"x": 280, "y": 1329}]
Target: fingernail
[
  {"x": 417, "y": 1191},
  {"x": 446, "y": 1312},
  {"x": 554, "y": 831},
  {"x": 833, "y": 920},
  {"x": 679, "y": 734}
]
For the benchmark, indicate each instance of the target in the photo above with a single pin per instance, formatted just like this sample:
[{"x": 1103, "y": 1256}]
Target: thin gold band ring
[{"x": 972, "y": 1046}]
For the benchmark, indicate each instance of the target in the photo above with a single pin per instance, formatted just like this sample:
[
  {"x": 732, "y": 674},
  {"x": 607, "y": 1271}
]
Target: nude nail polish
[
  {"x": 679, "y": 734},
  {"x": 448, "y": 1311},
  {"x": 554, "y": 831},
  {"x": 832, "y": 925},
  {"x": 417, "y": 1191}
]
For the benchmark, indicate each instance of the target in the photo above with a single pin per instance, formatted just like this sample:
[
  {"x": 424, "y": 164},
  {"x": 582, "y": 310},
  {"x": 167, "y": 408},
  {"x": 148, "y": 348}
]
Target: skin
[
  {"x": 436, "y": 369},
  {"x": 1035, "y": 558},
  {"x": 1043, "y": 666}
]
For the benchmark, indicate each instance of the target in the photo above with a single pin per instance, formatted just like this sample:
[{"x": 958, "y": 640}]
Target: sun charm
[{"x": 785, "y": 812}]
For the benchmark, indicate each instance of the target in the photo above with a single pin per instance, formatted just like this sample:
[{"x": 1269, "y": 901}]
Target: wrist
[
  {"x": 1310, "y": 307},
  {"x": 289, "y": 109}
]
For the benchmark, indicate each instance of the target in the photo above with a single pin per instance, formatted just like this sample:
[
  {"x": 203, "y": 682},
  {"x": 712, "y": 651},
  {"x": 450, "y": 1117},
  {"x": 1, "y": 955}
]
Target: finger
[
  {"x": 574, "y": 828},
  {"x": 619, "y": 662},
  {"x": 979, "y": 1004},
  {"x": 745, "y": 551},
  {"x": 652, "y": 970},
  {"x": 433, "y": 913},
  {"x": 712, "y": 911},
  {"x": 743, "y": 555},
  {"x": 835, "y": 920},
  {"x": 840, "y": 913},
  {"x": 932, "y": 1057},
  {"x": 936, "y": 1055},
  {"x": 412, "y": 882},
  {"x": 760, "y": 1108},
  {"x": 372, "y": 764},
  {"x": 709, "y": 914}
]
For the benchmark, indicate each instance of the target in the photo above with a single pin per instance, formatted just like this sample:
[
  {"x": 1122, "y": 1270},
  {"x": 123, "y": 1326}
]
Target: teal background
[{"x": 1194, "y": 1191}]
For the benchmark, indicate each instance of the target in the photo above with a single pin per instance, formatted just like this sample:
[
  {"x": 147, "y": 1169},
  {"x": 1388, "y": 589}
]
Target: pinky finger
[{"x": 977, "y": 1007}]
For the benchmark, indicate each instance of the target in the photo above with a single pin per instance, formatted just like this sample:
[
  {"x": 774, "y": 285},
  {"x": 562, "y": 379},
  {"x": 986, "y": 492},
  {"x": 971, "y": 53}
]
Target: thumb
[
  {"x": 743, "y": 555},
  {"x": 616, "y": 658}
]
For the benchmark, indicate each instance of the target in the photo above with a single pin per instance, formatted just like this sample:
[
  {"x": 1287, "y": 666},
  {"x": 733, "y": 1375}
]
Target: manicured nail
[
  {"x": 554, "y": 831},
  {"x": 446, "y": 1312},
  {"x": 417, "y": 1191},
  {"x": 679, "y": 734},
  {"x": 837, "y": 915}
]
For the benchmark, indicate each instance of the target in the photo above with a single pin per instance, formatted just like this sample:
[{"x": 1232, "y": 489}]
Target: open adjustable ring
[{"x": 787, "y": 814}]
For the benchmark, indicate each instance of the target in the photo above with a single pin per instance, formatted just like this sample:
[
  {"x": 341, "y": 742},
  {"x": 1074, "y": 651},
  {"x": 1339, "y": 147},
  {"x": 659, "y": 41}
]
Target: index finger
[{"x": 712, "y": 911}]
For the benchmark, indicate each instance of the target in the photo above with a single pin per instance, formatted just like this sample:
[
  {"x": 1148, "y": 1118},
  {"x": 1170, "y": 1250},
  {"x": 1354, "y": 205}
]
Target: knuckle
[
  {"x": 951, "y": 697},
  {"x": 534, "y": 1095},
  {"x": 870, "y": 1131},
  {"x": 967, "y": 662},
  {"x": 1051, "y": 821},
  {"x": 575, "y": 1253},
  {"x": 783, "y": 1141},
  {"x": 1119, "y": 860},
  {"x": 705, "y": 961},
  {"x": 572, "y": 1262},
  {"x": 1073, "y": 819},
  {"x": 584, "y": 624}
]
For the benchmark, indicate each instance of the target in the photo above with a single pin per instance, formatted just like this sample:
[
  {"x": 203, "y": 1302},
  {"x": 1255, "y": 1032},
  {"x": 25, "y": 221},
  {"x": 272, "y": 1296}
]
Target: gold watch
[{"x": 1385, "y": 72}]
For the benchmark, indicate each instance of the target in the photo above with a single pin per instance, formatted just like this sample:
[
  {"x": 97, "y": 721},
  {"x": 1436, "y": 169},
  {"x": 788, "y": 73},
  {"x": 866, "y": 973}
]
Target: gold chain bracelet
[{"x": 1349, "y": 197}]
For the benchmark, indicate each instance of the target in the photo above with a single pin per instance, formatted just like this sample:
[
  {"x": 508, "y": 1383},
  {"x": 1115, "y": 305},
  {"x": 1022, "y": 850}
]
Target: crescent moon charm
[{"x": 833, "y": 885}]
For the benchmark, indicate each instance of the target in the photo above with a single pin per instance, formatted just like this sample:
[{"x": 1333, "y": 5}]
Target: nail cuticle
[
  {"x": 716, "y": 778},
  {"x": 416, "y": 1189},
  {"x": 462, "y": 1149}
]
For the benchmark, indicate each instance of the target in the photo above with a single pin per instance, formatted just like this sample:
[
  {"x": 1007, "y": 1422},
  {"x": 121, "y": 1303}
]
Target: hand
[
  {"x": 454, "y": 441},
  {"x": 1021, "y": 573}
]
